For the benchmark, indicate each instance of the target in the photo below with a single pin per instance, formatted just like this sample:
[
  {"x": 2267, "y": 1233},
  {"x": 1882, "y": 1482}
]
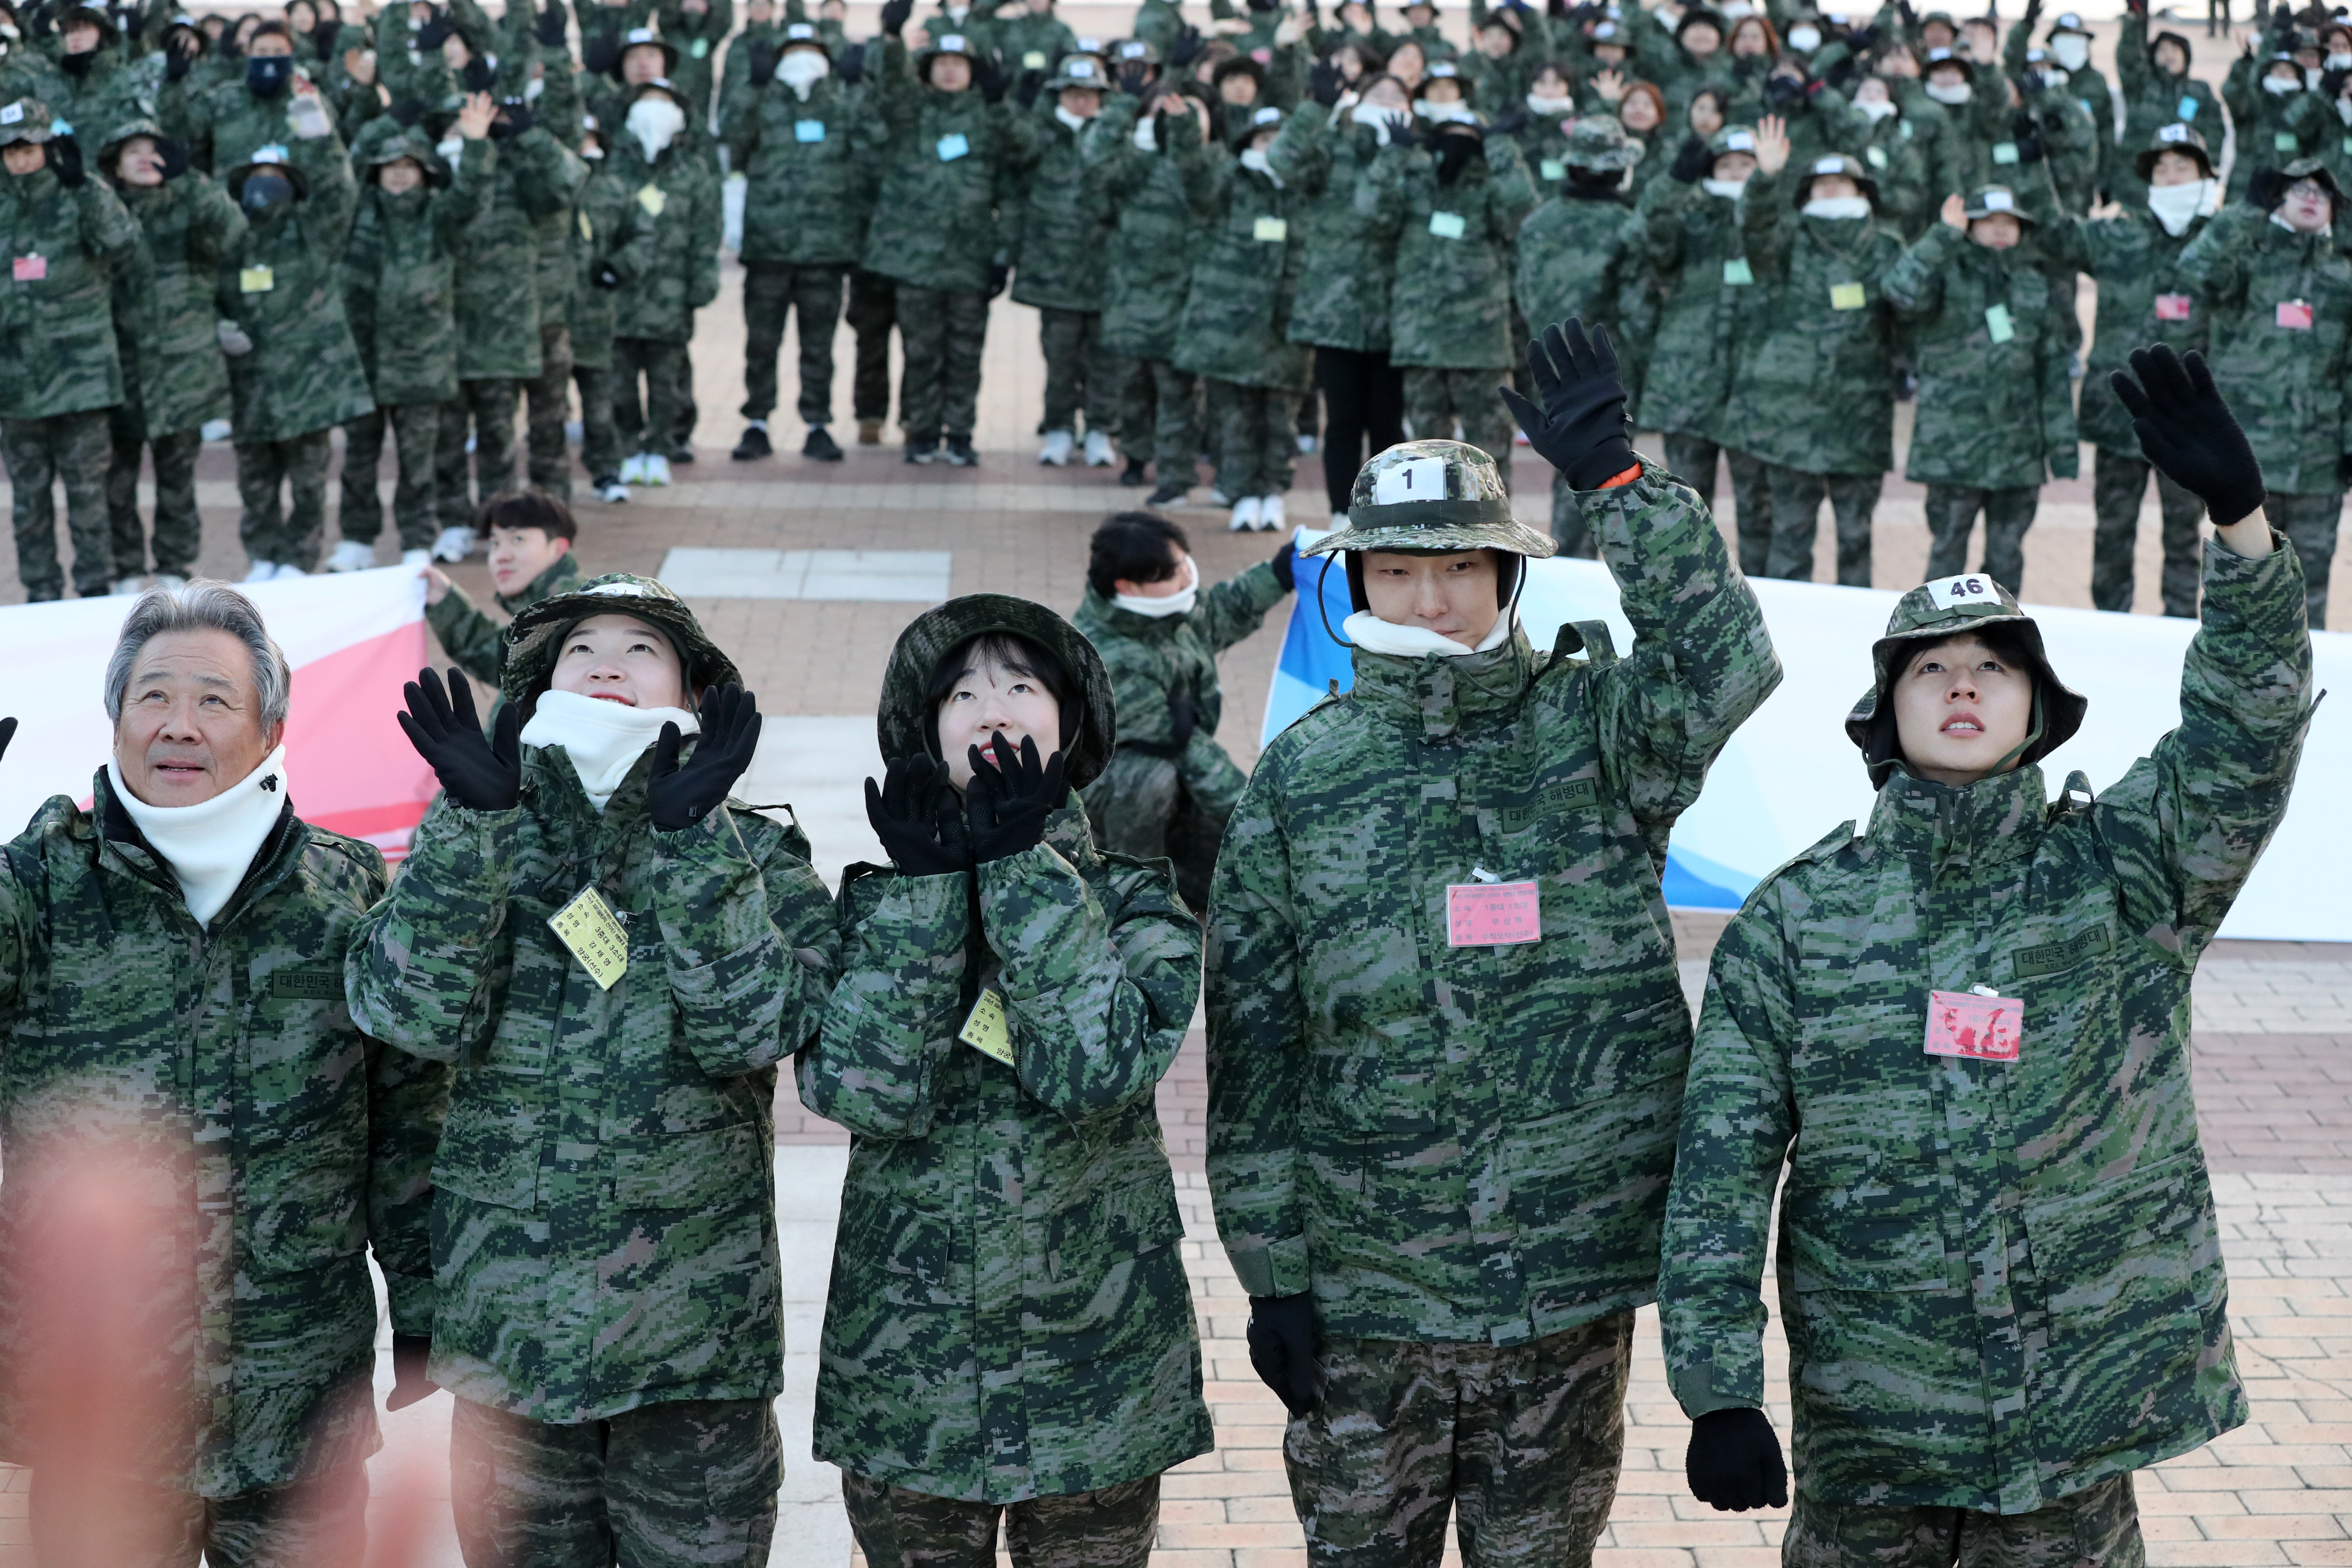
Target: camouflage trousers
[
  {"x": 1435, "y": 399},
  {"x": 1160, "y": 416},
  {"x": 1797, "y": 521},
  {"x": 179, "y": 531},
  {"x": 647, "y": 426},
  {"x": 873, "y": 311},
  {"x": 1111, "y": 1527},
  {"x": 2309, "y": 523},
  {"x": 940, "y": 336},
  {"x": 71, "y": 449},
  {"x": 548, "y": 400},
  {"x": 599, "y": 438},
  {"x": 489, "y": 408},
  {"x": 1080, "y": 373},
  {"x": 1157, "y": 808},
  {"x": 2097, "y": 1527},
  {"x": 1256, "y": 444},
  {"x": 319, "y": 1521},
  {"x": 415, "y": 430},
  {"x": 1520, "y": 1443},
  {"x": 2117, "y": 482},
  {"x": 289, "y": 536},
  {"x": 1363, "y": 413},
  {"x": 1692, "y": 459},
  {"x": 1952, "y": 512},
  {"x": 773, "y": 290},
  {"x": 686, "y": 1483}
]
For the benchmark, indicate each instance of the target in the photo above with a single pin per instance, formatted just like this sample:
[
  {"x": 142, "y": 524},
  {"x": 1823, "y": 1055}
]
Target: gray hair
[{"x": 204, "y": 605}]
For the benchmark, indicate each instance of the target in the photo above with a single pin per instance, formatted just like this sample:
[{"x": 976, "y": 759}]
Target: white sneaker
[
  {"x": 1245, "y": 516},
  {"x": 350, "y": 556},
  {"x": 125, "y": 586},
  {"x": 263, "y": 571},
  {"x": 1055, "y": 453},
  {"x": 169, "y": 581},
  {"x": 612, "y": 493},
  {"x": 1269, "y": 514},
  {"x": 657, "y": 470},
  {"x": 632, "y": 469},
  {"x": 215, "y": 430},
  {"x": 1099, "y": 452},
  {"x": 1338, "y": 521},
  {"x": 455, "y": 544},
  {"x": 1306, "y": 446},
  {"x": 416, "y": 558}
]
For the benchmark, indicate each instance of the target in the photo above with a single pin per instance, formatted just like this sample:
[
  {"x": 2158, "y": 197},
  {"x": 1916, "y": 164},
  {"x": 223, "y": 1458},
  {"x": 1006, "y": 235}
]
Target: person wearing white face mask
[
  {"x": 1898, "y": 161},
  {"x": 2158, "y": 88},
  {"x": 2277, "y": 120},
  {"x": 1066, "y": 227},
  {"x": 653, "y": 321},
  {"x": 2068, "y": 42}
]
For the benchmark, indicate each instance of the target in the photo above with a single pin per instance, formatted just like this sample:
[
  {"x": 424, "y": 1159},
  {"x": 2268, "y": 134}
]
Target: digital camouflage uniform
[
  {"x": 547, "y": 396},
  {"x": 676, "y": 197},
  {"x": 1008, "y": 1321},
  {"x": 2273, "y": 129},
  {"x": 2287, "y": 382},
  {"x": 1169, "y": 788},
  {"x": 478, "y": 645},
  {"x": 1461, "y": 1152},
  {"x": 2001, "y": 1281},
  {"x": 697, "y": 34},
  {"x": 604, "y": 1210},
  {"x": 1064, "y": 218},
  {"x": 1159, "y": 201},
  {"x": 610, "y": 232},
  {"x": 2153, "y": 99},
  {"x": 286, "y": 1146},
  {"x": 1813, "y": 395},
  {"x": 225, "y": 124},
  {"x": 1994, "y": 410}
]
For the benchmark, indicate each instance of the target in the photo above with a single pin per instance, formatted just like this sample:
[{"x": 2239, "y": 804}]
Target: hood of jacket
[{"x": 904, "y": 725}]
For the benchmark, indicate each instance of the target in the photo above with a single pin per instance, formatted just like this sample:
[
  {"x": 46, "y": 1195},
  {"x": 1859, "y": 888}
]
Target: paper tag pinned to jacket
[
  {"x": 1271, "y": 231},
  {"x": 1492, "y": 914},
  {"x": 1998, "y": 323},
  {"x": 808, "y": 129},
  {"x": 1553, "y": 168},
  {"x": 1448, "y": 225},
  {"x": 952, "y": 146},
  {"x": 653, "y": 198},
  {"x": 985, "y": 1029},
  {"x": 28, "y": 268},
  {"x": 2004, "y": 151},
  {"x": 2294, "y": 314},
  {"x": 1848, "y": 297},
  {"x": 587, "y": 229},
  {"x": 256, "y": 280},
  {"x": 1975, "y": 1024},
  {"x": 1737, "y": 272},
  {"x": 588, "y": 926},
  {"x": 2172, "y": 307}
]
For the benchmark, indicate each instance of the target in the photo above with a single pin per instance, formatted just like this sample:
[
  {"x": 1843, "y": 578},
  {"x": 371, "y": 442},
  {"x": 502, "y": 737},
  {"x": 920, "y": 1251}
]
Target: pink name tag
[
  {"x": 2294, "y": 314},
  {"x": 2172, "y": 308},
  {"x": 1492, "y": 914},
  {"x": 29, "y": 268},
  {"x": 1966, "y": 1023}
]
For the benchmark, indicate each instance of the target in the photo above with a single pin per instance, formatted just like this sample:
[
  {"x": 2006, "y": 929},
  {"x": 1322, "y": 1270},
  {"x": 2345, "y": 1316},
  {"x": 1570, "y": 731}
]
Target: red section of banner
[{"x": 353, "y": 770}]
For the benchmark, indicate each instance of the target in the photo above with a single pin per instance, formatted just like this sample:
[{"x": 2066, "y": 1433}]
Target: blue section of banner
[
  {"x": 1312, "y": 657},
  {"x": 1694, "y": 882}
]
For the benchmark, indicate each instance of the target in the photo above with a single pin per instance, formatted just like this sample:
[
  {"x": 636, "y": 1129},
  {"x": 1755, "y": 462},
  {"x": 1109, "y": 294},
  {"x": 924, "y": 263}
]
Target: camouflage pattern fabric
[
  {"x": 58, "y": 352},
  {"x": 772, "y": 291},
  {"x": 2310, "y": 524},
  {"x": 1080, "y": 373},
  {"x": 547, "y": 402},
  {"x": 943, "y": 215},
  {"x": 605, "y": 1223},
  {"x": 415, "y": 430},
  {"x": 1580, "y": 255},
  {"x": 871, "y": 312},
  {"x": 109, "y": 93},
  {"x": 1449, "y": 298},
  {"x": 1019, "y": 34},
  {"x": 163, "y": 311},
  {"x": 497, "y": 256},
  {"x": 1349, "y": 264},
  {"x": 283, "y": 284},
  {"x": 1146, "y": 807},
  {"x": 941, "y": 337},
  {"x": 1449, "y": 1144},
  {"x": 684, "y": 1483},
  {"x": 600, "y": 437},
  {"x": 1436, "y": 401},
  {"x": 2153, "y": 99},
  {"x": 2135, "y": 262},
  {"x": 1253, "y": 438},
  {"x": 1159, "y": 417},
  {"x": 223, "y": 124},
  {"x": 179, "y": 532},
  {"x": 1997, "y": 1321},
  {"x": 2118, "y": 485},
  {"x": 676, "y": 198},
  {"x": 609, "y": 230},
  {"x": 322, "y": 1519},
  {"x": 697, "y": 34},
  {"x": 2008, "y": 511},
  {"x": 1237, "y": 323},
  {"x": 1693, "y": 461},
  {"x": 485, "y": 408},
  {"x": 478, "y": 645},
  {"x": 72, "y": 450},
  {"x": 282, "y": 490},
  {"x": 1796, "y": 497},
  {"x": 810, "y": 168},
  {"x": 1063, "y": 213},
  {"x": 1693, "y": 250},
  {"x": 2273, "y": 129},
  {"x": 400, "y": 285},
  {"x": 1110, "y": 1527},
  {"x": 1520, "y": 1443},
  {"x": 662, "y": 366},
  {"x": 2097, "y": 1527},
  {"x": 283, "y": 1143},
  {"x": 1159, "y": 204}
]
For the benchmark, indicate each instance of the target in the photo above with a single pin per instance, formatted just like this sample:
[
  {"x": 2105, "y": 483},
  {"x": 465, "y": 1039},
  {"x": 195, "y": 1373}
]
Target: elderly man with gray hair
[{"x": 183, "y": 1091}]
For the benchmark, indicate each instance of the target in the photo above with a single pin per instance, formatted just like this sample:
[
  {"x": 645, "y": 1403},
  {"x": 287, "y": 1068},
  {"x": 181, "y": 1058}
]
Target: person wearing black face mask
[
  {"x": 225, "y": 124},
  {"x": 85, "y": 83}
]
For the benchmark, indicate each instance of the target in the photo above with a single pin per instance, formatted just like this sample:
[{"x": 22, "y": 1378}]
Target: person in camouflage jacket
[
  {"x": 270, "y": 102},
  {"x": 60, "y": 373},
  {"x": 605, "y": 1224},
  {"x": 612, "y": 248},
  {"x": 1987, "y": 1333},
  {"x": 531, "y": 557},
  {"x": 183, "y": 1066},
  {"x": 697, "y": 28},
  {"x": 2157, "y": 90},
  {"x": 1008, "y": 1331},
  {"x": 671, "y": 180},
  {"x": 1439, "y": 1164},
  {"x": 1064, "y": 218},
  {"x": 87, "y": 82}
]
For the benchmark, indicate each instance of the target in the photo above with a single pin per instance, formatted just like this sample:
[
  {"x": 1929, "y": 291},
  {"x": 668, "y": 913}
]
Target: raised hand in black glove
[
  {"x": 2032, "y": 13},
  {"x": 1734, "y": 1463},
  {"x": 906, "y": 815},
  {"x": 1282, "y": 1349},
  {"x": 436, "y": 30},
  {"x": 514, "y": 118},
  {"x": 1187, "y": 48},
  {"x": 1184, "y": 717},
  {"x": 1006, "y": 805},
  {"x": 599, "y": 53},
  {"x": 2189, "y": 432},
  {"x": 678, "y": 797},
  {"x": 409, "y": 1353},
  {"x": 1133, "y": 77},
  {"x": 2265, "y": 189},
  {"x": 178, "y": 56},
  {"x": 1032, "y": 83},
  {"x": 762, "y": 57},
  {"x": 851, "y": 67},
  {"x": 478, "y": 74},
  {"x": 894, "y": 16},
  {"x": 1324, "y": 83},
  {"x": 480, "y": 773},
  {"x": 8, "y": 734},
  {"x": 547, "y": 26},
  {"x": 323, "y": 38},
  {"x": 1580, "y": 427},
  {"x": 135, "y": 23},
  {"x": 2026, "y": 133},
  {"x": 64, "y": 157},
  {"x": 989, "y": 76},
  {"x": 1691, "y": 162},
  {"x": 1454, "y": 151},
  {"x": 1286, "y": 565},
  {"x": 171, "y": 157}
]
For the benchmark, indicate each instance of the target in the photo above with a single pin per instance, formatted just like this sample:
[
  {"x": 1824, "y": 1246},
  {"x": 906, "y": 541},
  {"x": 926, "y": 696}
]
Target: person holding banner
[
  {"x": 2000, "y": 1270},
  {"x": 1447, "y": 1036},
  {"x": 615, "y": 957},
  {"x": 193, "y": 1111}
]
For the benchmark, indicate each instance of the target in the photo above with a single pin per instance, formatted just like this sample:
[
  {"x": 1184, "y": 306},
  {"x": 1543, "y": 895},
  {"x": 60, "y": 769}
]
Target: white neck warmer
[
  {"x": 801, "y": 70},
  {"x": 1456, "y": 113},
  {"x": 210, "y": 846},
  {"x": 1838, "y": 207},
  {"x": 1177, "y": 603},
  {"x": 1953, "y": 96},
  {"x": 1728, "y": 189},
  {"x": 654, "y": 122},
  {"x": 1877, "y": 109},
  {"x": 1076, "y": 122},
  {"x": 2176, "y": 206},
  {"x": 2279, "y": 87},
  {"x": 1538, "y": 104},
  {"x": 1254, "y": 160},
  {"x": 1374, "y": 635},
  {"x": 1147, "y": 138},
  {"x": 2343, "y": 110},
  {"x": 602, "y": 739},
  {"x": 2071, "y": 50}
]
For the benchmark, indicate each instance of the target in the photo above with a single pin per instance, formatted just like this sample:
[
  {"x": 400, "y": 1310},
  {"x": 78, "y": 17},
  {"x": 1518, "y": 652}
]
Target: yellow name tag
[
  {"x": 985, "y": 1030},
  {"x": 653, "y": 198},
  {"x": 586, "y": 230},
  {"x": 1274, "y": 231},
  {"x": 256, "y": 280},
  {"x": 1847, "y": 296},
  {"x": 588, "y": 926}
]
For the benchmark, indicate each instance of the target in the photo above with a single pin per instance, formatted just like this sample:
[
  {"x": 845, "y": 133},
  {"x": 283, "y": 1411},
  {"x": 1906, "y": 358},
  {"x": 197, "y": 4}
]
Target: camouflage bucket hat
[
  {"x": 271, "y": 160},
  {"x": 2067, "y": 22},
  {"x": 1599, "y": 141},
  {"x": 1732, "y": 138},
  {"x": 643, "y": 37},
  {"x": 89, "y": 16},
  {"x": 139, "y": 126},
  {"x": 803, "y": 36},
  {"x": 1949, "y": 607},
  {"x": 1836, "y": 163},
  {"x": 1987, "y": 200},
  {"x": 386, "y": 140},
  {"x": 1134, "y": 52},
  {"x": 537, "y": 635},
  {"x": 2182, "y": 139},
  {"x": 1431, "y": 496},
  {"x": 1967, "y": 66},
  {"x": 26, "y": 120},
  {"x": 945, "y": 44},
  {"x": 1078, "y": 70},
  {"x": 905, "y": 724},
  {"x": 2312, "y": 168}
]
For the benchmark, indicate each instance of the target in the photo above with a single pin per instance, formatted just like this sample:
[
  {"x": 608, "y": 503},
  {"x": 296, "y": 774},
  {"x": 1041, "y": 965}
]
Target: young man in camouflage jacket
[
  {"x": 1999, "y": 1265},
  {"x": 1447, "y": 1041}
]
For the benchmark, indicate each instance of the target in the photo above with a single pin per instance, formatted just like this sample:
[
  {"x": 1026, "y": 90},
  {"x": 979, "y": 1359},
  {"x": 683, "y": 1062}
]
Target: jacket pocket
[
  {"x": 689, "y": 1170},
  {"x": 889, "y": 1252},
  {"x": 489, "y": 1154}
]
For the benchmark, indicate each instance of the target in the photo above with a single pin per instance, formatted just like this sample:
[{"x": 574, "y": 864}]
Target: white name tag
[
  {"x": 1957, "y": 592},
  {"x": 1448, "y": 225},
  {"x": 954, "y": 146},
  {"x": 808, "y": 129}
]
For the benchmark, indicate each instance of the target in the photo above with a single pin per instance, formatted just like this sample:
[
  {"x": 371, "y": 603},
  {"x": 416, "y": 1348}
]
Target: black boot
[
  {"x": 1132, "y": 476},
  {"x": 960, "y": 452},
  {"x": 820, "y": 445},
  {"x": 753, "y": 445}
]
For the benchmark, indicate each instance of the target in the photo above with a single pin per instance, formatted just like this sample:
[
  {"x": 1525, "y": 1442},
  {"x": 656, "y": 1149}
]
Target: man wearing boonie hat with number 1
[
  {"x": 2000, "y": 1272},
  {"x": 1446, "y": 1039}
]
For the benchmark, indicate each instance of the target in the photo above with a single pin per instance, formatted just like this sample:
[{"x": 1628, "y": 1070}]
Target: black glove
[
  {"x": 989, "y": 76},
  {"x": 2026, "y": 133},
  {"x": 1401, "y": 130},
  {"x": 436, "y": 31},
  {"x": 172, "y": 156},
  {"x": 135, "y": 23},
  {"x": 1032, "y": 83},
  {"x": 600, "y": 54},
  {"x": 850, "y": 69},
  {"x": 1282, "y": 1349},
  {"x": 606, "y": 277},
  {"x": 477, "y": 76},
  {"x": 177, "y": 60},
  {"x": 323, "y": 36},
  {"x": 999, "y": 274},
  {"x": 1006, "y": 807},
  {"x": 1509, "y": 122},
  {"x": 2344, "y": 469},
  {"x": 1184, "y": 717},
  {"x": 1285, "y": 566},
  {"x": 1691, "y": 162},
  {"x": 2265, "y": 189},
  {"x": 547, "y": 26},
  {"x": 1133, "y": 77},
  {"x": 1324, "y": 83},
  {"x": 1580, "y": 428},
  {"x": 514, "y": 118},
  {"x": 907, "y": 817},
  {"x": 1734, "y": 1463},
  {"x": 406, "y": 112},
  {"x": 2189, "y": 432},
  {"x": 8, "y": 734},
  {"x": 678, "y": 797},
  {"x": 1187, "y": 47},
  {"x": 894, "y": 16},
  {"x": 1455, "y": 151},
  {"x": 2331, "y": 84},
  {"x": 762, "y": 56},
  {"x": 2032, "y": 12},
  {"x": 409, "y": 1353},
  {"x": 1861, "y": 40},
  {"x": 1783, "y": 92},
  {"x": 64, "y": 157},
  {"x": 481, "y": 773}
]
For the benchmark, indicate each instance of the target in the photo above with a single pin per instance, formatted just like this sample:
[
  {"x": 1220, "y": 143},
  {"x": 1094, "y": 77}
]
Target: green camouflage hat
[
  {"x": 384, "y": 140},
  {"x": 536, "y": 636},
  {"x": 906, "y": 726},
  {"x": 88, "y": 15},
  {"x": 1967, "y": 66},
  {"x": 1134, "y": 52},
  {"x": 642, "y": 38},
  {"x": 805, "y": 35},
  {"x": 1946, "y": 608},
  {"x": 26, "y": 120},
  {"x": 2067, "y": 22},
  {"x": 137, "y": 126},
  {"x": 1078, "y": 70},
  {"x": 2175, "y": 138},
  {"x": 1431, "y": 496},
  {"x": 1835, "y": 164},
  {"x": 2311, "y": 169},
  {"x": 945, "y": 44},
  {"x": 1599, "y": 141},
  {"x": 1987, "y": 200},
  {"x": 1730, "y": 138}
]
